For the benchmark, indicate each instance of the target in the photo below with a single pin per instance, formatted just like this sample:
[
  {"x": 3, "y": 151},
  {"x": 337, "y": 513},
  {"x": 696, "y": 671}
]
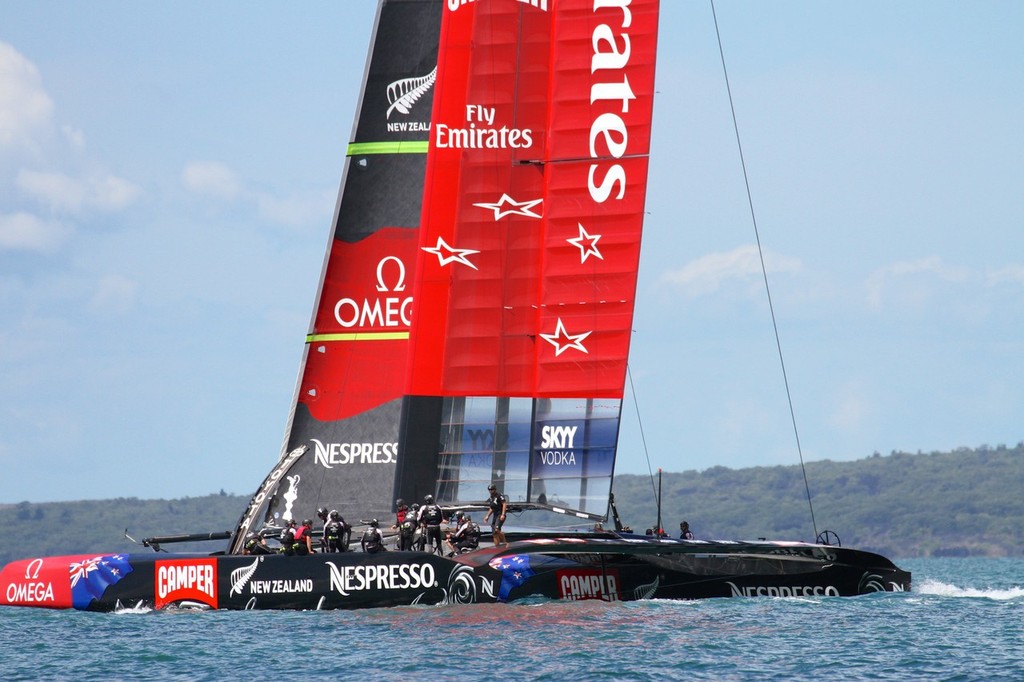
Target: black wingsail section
[{"x": 341, "y": 443}]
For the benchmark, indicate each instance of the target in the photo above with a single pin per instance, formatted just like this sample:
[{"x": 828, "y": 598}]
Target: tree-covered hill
[{"x": 966, "y": 502}]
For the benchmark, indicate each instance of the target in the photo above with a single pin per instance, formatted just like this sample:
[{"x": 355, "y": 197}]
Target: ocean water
[{"x": 964, "y": 620}]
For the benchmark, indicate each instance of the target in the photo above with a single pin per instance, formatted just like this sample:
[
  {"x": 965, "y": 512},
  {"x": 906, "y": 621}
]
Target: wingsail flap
[{"x": 530, "y": 244}]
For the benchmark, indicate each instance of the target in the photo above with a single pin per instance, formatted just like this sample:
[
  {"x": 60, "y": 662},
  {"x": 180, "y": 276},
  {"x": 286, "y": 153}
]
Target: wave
[{"x": 937, "y": 587}]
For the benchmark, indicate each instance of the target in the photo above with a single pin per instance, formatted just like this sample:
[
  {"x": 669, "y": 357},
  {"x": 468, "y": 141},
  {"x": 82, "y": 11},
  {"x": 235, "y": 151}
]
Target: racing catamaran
[{"x": 472, "y": 327}]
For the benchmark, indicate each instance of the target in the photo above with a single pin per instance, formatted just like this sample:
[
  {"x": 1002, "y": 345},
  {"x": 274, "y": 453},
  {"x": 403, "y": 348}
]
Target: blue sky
[{"x": 168, "y": 174}]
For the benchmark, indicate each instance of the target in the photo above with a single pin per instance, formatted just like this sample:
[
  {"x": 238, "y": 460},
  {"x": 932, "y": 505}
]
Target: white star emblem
[
  {"x": 523, "y": 208},
  {"x": 563, "y": 340},
  {"x": 448, "y": 254},
  {"x": 586, "y": 243}
]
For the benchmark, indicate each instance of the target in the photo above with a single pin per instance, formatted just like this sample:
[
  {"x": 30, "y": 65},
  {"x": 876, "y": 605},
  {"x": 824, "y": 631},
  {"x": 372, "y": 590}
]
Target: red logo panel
[
  {"x": 588, "y": 583},
  {"x": 186, "y": 580}
]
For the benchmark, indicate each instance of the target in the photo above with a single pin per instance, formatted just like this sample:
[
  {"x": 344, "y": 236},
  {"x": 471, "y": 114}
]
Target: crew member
[
  {"x": 452, "y": 536},
  {"x": 419, "y": 536},
  {"x": 466, "y": 537},
  {"x": 333, "y": 531},
  {"x": 407, "y": 530},
  {"x": 304, "y": 537},
  {"x": 432, "y": 517},
  {"x": 402, "y": 512},
  {"x": 287, "y": 538},
  {"x": 497, "y": 508},
  {"x": 373, "y": 539},
  {"x": 684, "y": 531},
  {"x": 255, "y": 544}
]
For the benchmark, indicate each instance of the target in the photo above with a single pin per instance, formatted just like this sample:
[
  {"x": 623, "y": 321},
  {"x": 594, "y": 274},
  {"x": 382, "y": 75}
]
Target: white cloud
[
  {"x": 56, "y": 190},
  {"x": 111, "y": 193},
  {"x": 211, "y": 178},
  {"x": 911, "y": 282},
  {"x": 24, "y": 105},
  {"x": 60, "y": 192},
  {"x": 709, "y": 273},
  {"x": 25, "y": 232},
  {"x": 1012, "y": 274}
]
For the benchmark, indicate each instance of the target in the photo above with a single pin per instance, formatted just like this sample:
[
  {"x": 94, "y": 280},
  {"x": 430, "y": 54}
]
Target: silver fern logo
[
  {"x": 241, "y": 576},
  {"x": 404, "y": 93}
]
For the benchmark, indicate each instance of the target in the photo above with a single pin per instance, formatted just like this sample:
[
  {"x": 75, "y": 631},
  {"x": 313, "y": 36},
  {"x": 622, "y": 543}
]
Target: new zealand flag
[
  {"x": 91, "y": 577},
  {"x": 515, "y": 570}
]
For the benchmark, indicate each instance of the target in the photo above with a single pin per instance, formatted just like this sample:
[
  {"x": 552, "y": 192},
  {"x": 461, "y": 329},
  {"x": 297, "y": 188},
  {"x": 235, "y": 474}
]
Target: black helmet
[
  {"x": 292, "y": 523},
  {"x": 321, "y": 512},
  {"x": 399, "y": 502},
  {"x": 307, "y": 522},
  {"x": 459, "y": 514},
  {"x": 467, "y": 518},
  {"x": 492, "y": 487},
  {"x": 335, "y": 515},
  {"x": 415, "y": 506},
  {"x": 374, "y": 523},
  {"x": 428, "y": 499}
]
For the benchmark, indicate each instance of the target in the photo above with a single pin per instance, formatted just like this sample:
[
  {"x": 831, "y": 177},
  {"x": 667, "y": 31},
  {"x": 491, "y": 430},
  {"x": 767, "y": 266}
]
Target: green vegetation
[
  {"x": 966, "y": 502},
  {"x": 94, "y": 526},
  {"x": 960, "y": 503}
]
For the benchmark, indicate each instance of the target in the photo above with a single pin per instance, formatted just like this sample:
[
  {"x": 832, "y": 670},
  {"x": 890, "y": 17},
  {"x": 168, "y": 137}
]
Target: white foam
[{"x": 942, "y": 589}]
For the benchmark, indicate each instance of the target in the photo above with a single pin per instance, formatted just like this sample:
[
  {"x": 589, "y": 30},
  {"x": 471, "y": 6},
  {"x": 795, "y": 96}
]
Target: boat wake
[
  {"x": 138, "y": 608},
  {"x": 937, "y": 587}
]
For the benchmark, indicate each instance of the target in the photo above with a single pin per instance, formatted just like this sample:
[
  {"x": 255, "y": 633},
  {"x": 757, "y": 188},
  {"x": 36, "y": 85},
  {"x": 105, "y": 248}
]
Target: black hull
[{"x": 610, "y": 569}]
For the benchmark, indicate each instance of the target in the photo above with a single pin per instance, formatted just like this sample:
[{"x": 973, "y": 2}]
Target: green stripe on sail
[
  {"x": 357, "y": 336},
  {"x": 406, "y": 147}
]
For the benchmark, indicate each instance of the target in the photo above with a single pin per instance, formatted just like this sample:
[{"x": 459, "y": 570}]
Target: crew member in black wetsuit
[
  {"x": 334, "y": 528},
  {"x": 684, "y": 531},
  {"x": 466, "y": 537},
  {"x": 453, "y": 536},
  {"x": 431, "y": 516},
  {"x": 287, "y": 538},
  {"x": 373, "y": 540},
  {"x": 255, "y": 544},
  {"x": 497, "y": 508},
  {"x": 419, "y": 536}
]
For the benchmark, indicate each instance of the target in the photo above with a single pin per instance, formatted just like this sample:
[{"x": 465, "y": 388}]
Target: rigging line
[
  {"x": 764, "y": 270},
  {"x": 640, "y": 423}
]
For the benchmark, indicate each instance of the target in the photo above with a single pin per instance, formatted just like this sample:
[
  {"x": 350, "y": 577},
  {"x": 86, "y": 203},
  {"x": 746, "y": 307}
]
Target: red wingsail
[{"x": 534, "y": 197}]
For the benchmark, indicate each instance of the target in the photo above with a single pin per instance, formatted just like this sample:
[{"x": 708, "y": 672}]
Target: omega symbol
[{"x": 383, "y": 311}]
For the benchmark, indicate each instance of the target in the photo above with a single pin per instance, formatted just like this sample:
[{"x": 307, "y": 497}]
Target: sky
[{"x": 168, "y": 172}]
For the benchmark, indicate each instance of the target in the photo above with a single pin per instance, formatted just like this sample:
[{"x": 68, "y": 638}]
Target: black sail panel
[{"x": 346, "y": 409}]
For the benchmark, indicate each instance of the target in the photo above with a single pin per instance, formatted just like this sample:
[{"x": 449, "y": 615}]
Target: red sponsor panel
[
  {"x": 41, "y": 582},
  {"x": 185, "y": 580},
  {"x": 603, "y": 82},
  {"x": 583, "y": 583},
  {"x": 356, "y": 356}
]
